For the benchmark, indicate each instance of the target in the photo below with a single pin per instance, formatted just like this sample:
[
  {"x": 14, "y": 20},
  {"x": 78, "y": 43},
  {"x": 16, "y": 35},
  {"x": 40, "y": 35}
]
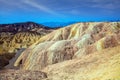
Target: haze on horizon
[{"x": 41, "y": 11}]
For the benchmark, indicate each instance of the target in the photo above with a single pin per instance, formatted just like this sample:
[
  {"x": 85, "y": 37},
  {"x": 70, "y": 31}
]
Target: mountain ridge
[{"x": 23, "y": 26}]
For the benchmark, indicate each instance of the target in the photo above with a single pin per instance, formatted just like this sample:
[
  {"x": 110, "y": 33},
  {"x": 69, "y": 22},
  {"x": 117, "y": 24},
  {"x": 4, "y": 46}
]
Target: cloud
[
  {"x": 26, "y": 5},
  {"x": 40, "y": 7},
  {"x": 60, "y": 8}
]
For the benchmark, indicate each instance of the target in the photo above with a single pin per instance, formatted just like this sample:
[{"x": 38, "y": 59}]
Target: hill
[
  {"x": 82, "y": 51},
  {"x": 18, "y": 36}
]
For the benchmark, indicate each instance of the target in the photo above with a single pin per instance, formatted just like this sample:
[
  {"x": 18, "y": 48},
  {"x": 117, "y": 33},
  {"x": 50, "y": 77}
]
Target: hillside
[
  {"x": 101, "y": 65},
  {"x": 18, "y": 36},
  {"x": 70, "y": 42},
  {"x": 82, "y": 51}
]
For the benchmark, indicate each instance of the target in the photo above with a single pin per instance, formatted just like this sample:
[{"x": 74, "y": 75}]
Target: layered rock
[{"x": 70, "y": 42}]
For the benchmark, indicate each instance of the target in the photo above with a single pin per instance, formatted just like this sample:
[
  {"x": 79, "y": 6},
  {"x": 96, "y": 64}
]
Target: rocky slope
[
  {"x": 82, "y": 51},
  {"x": 70, "y": 42},
  {"x": 11, "y": 42},
  {"x": 22, "y": 75},
  {"x": 100, "y": 65},
  {"x": 19, "y": 35}
]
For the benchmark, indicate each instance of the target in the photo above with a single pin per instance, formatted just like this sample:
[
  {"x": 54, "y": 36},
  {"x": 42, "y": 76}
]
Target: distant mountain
[{"x": 25, "y": 26}]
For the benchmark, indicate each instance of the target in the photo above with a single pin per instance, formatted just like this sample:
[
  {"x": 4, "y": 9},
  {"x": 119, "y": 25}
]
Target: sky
[{"x": 41, "y": 11}]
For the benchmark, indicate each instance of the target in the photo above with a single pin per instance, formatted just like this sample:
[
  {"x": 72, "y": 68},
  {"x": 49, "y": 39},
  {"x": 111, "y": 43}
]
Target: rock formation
[
  {"x": 70, "y": 42},
  {"x": 20, "y": 35},
  {"x": 82, "y": 51},
  {"x": 100, "y": 65},
  {"x": 16, "y": 36}
]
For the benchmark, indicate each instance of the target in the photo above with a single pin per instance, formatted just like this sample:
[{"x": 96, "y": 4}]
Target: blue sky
[{"x": 58, "y": 10}]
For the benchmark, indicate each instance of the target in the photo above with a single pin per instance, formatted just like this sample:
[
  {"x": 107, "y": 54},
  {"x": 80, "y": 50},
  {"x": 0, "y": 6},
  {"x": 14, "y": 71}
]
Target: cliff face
[{"x": 69, "y": 43}]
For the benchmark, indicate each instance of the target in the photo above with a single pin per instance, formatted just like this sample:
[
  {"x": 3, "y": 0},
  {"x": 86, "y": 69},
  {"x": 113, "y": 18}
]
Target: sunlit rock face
[{"x": 69, "y": 43}]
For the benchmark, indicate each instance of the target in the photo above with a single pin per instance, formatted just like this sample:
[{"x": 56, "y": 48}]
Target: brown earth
[{"x": 22, "y": 75}]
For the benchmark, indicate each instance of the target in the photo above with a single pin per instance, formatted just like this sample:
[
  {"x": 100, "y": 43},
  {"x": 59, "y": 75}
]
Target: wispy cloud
[{"x": 40, "y": 7}]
